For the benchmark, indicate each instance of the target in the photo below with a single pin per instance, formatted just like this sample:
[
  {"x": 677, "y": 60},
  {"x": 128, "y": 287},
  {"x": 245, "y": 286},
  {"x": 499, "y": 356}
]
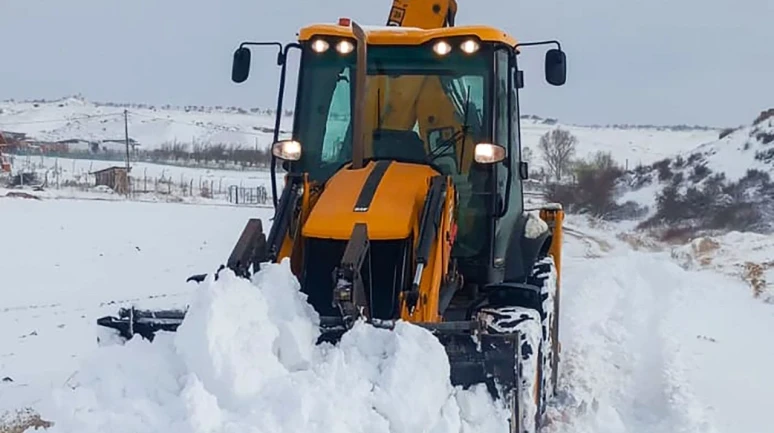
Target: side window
[
  {"x": 516, "y": 184},
  {"x": 339, "y": 115},
  {"x": 502, "y": 132},
  {"x": 502, "y": 116}
]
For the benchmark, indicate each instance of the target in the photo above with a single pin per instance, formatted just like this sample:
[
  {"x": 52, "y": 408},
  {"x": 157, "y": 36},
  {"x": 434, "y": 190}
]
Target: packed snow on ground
[
  {"x": 64, "y": 263},
  {"x": 647, "y": 346},
  {"x": 651, "y": 347}
]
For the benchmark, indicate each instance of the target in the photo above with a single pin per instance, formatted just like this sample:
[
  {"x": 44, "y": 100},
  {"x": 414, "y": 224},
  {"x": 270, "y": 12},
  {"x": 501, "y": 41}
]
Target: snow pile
[
  {"x": 245, "y": 360},
  {"x": 748, "y": 256}
]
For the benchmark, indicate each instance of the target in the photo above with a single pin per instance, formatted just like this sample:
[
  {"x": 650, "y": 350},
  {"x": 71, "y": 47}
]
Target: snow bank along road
[
  {"x": 650, "y": 347},
  {"x": 647, "y": 346}
]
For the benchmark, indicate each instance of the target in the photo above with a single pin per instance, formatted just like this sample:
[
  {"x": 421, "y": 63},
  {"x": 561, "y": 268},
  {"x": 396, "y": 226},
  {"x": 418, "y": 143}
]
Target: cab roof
[{"x": 407, "y": 35}]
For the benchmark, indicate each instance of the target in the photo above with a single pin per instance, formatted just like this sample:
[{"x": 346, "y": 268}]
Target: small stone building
[{"x": 116, "y": 178}]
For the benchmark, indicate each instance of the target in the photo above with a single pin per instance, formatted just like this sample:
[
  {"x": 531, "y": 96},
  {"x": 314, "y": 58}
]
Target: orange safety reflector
[{"x": 346, "y": 22}]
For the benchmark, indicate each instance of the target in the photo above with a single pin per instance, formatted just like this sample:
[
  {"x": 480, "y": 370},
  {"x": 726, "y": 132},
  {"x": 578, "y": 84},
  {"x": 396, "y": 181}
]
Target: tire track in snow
[{"x": 620, "y": 369}]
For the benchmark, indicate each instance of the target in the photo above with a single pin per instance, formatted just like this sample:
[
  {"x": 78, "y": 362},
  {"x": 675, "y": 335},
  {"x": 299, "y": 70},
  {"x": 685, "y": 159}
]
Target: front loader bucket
[{"x": 487, "y": 359}]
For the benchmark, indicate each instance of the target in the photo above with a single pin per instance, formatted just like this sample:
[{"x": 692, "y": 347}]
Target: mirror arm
[
  {"x": 278, "y": 116},
  {"x": 528, "y": 44},
  {"x": 280, "y": 55}
]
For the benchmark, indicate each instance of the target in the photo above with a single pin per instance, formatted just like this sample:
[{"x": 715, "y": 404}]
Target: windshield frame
[{"x": 402, "y": 58}]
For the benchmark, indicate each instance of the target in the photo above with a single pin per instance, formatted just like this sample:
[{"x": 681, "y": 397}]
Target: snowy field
[
  {"x": 65, "y": 262},
  {"x": 649, "y": 346}
]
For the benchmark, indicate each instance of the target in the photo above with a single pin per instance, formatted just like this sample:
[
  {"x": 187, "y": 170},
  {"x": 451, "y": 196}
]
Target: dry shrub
[
  {"x": 766, "y": 114},
  {"x": 677, "y": 235},
  {"x": 593, "y": 193}
]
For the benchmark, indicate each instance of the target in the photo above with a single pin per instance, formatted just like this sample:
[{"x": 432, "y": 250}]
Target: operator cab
[{"x": 444, "y": 97}]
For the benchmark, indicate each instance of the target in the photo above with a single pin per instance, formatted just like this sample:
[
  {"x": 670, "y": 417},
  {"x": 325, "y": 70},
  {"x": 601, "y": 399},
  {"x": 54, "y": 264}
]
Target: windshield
[{"x": 415, "y": 107}]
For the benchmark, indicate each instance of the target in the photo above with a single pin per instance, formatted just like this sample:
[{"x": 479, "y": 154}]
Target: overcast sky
[{"x": 656, "y": 61}]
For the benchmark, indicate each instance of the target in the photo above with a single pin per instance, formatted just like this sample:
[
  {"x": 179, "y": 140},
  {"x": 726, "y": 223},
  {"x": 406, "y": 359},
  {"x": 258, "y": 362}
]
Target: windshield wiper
[{"x": 451, "y": 141}]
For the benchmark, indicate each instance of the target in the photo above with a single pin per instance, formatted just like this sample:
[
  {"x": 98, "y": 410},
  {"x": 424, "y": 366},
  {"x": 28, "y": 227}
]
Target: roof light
[
  {"x": 345, "y": 47},
  {"x": 442, "y": 48},
  {"x": 320, "y": 46},
  {"x": 470, "y": 46},
  {"x": 346, "y": 22}
]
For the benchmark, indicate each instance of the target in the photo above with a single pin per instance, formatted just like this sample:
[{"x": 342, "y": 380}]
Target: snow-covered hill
[
  {"x": 725, "y": 183},
  {"x": 74, "y": 118}
]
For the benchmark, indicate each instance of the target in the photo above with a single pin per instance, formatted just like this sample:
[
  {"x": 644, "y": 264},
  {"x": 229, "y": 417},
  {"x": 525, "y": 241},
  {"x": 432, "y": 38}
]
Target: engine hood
[{"x": 387, "y": 196}]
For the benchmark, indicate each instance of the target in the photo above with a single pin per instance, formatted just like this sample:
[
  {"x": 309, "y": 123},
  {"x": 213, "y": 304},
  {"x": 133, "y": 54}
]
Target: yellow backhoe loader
[{"x": 403, "y": 200}]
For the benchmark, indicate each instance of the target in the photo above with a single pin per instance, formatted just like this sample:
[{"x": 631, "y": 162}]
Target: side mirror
[
  {"x": 523, "y": 170},
  {"x": 487, "y": 153},
  {"x": 287, "y": 150},
  {"x": 556, "y": 67},
  {"x": 240, "y": 68}
]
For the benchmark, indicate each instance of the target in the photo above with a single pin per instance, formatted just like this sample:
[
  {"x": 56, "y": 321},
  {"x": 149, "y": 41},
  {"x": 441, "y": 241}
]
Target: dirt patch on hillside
[
  {"x": 754, "y": 274},
  {"x": 17, "y": 194},
  {"x": 22, "y": 420},
  {"x": 641, "y": 241}
]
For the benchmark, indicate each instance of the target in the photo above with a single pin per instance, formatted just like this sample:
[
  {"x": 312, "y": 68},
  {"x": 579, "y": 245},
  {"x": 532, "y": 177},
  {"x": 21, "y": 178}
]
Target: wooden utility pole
[{"x": 126, "y": 139}]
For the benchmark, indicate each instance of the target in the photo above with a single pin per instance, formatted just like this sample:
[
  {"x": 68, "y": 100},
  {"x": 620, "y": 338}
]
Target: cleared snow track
[{"x": 650, "y": 347}]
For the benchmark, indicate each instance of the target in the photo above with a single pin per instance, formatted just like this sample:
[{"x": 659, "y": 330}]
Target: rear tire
[{"x": 538, "y": 346}]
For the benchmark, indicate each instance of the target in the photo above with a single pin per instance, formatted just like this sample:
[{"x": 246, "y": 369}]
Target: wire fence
[
  {"x": 203, "y": 188},
  {"x": 172, "y": 187}
]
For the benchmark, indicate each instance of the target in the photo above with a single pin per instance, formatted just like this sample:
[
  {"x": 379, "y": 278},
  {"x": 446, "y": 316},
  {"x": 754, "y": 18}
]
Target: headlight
[
  {"x": 288, "y": 150},
  {"x": 442, "y": 48},
  {"x": 320, "y": 46},
  {"x": 345, "y": 47},
  {"x": 469, "y": 47},
  {"x": 487, "y": 153}
]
